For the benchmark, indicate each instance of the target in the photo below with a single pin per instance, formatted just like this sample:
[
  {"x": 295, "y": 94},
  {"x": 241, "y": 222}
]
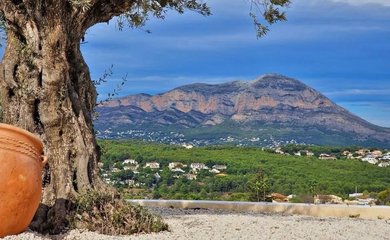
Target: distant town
[
  {"x": 176, "y": 138},
  {"x": 146, "y": 175},
  {"x": 375, "y": 157},
  {"x": 190, "y": 172},
  {"x": 179, "y": 170}
]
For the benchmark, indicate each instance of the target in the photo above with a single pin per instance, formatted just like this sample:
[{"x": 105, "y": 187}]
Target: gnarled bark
[{"x": 45, "y": 87}]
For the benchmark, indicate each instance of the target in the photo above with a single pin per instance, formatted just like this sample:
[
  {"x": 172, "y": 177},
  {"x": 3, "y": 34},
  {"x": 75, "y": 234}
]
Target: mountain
[{"x": 272, "y": 108}]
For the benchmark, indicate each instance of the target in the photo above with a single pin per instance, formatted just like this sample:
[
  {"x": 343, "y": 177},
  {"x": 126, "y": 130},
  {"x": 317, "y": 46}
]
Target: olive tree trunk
[{"x": 45, "y": 88}]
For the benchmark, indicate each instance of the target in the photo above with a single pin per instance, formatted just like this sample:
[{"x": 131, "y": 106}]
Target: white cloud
[
  {"x": 359, "y": 92},
  {"x": 361, "y": 2}
]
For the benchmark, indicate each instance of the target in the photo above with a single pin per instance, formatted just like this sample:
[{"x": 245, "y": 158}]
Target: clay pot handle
[{"x": 44, "y": 160}]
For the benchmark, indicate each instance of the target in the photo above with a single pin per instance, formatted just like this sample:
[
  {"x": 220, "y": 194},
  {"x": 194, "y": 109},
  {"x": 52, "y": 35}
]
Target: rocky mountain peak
[
  {"x": 278, "y": 82},
  {"x": 269, "y": 99},
  {"x": 264, "y": 83}
]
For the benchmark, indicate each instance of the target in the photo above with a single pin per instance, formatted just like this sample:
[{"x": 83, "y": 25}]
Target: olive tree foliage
[
  {"x": 135, "y": 13},
  {"x": 46, "y": 88}
]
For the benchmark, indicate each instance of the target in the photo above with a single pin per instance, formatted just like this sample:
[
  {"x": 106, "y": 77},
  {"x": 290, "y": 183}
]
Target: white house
[
  {"x": 355, "y": 195},
  {"x": 214, "y": 171},
  {"x": 130, "y": 162},
  {"x": 187, "y": 146},
  {"x": 384, "y": 164},
  {"x": 130, "y": 167},
  {"x": 362, "y": 152},
  {"x": 370, "y": 159},
  {"x": 220, "y": 167},
  {"x": 376, "y": 153},
  {"x": 152, "y": 165},
  {"x": 366, "y": 201},
  {"x": 279, "y": 151},
  {"x": 198, "y": 166},
  {"x": 173, "y": 165},
  {"x": 386, "y": 157},
  {"x": 177, "y": 170},
  {"x": 309, "y": 154},
  {"x": 324, "y": 156}
]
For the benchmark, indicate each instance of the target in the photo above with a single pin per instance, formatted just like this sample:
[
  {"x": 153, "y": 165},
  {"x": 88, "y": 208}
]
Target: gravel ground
[{"x": 206, "y": 224}]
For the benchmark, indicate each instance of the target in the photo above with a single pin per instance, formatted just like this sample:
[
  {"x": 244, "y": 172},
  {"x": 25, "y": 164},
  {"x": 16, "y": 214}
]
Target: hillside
[
  {"x": 272, "y": 108},
  {"x": 288, "y": 174}
]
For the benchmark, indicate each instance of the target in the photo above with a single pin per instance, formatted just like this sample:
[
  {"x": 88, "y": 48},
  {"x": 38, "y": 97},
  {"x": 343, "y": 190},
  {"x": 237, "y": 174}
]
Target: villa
[
  {"x": 386, "y": 157},
  {"x": 376, "y": 154},
  {"x": 384, "y": 164},
  {"x": 152, "y": 165},
  {"x": 220, "y": 167},
  {"x": 370, "y": 159},
  {"x": 198, "y": 166},
  {"x": 173, "y": 165},
  {"x": 214, "y": 171},
  {"x": 324, "y": 156},
  {"x": 130, "y": 162}
]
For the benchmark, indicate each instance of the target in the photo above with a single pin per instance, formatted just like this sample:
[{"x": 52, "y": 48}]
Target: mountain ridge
[{"x": 269, "y": 99}]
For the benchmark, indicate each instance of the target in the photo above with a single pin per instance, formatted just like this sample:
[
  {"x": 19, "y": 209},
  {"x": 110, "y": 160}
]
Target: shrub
[{"x": 106, "y": 214}]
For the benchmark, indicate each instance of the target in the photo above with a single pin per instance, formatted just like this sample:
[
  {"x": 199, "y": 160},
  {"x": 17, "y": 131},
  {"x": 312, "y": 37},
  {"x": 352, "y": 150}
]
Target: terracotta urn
[{"x": 21, "y": 163}]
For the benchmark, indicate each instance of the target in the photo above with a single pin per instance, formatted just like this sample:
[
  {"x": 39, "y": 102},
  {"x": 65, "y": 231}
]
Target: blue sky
[{"x": 339, "y": 47}]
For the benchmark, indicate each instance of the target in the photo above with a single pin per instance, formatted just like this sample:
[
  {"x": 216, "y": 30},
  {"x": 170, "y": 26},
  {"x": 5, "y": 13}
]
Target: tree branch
[
  {"x": 137, "y": 12},
  {"x": 269, "y": 12},
  {"x": 105, "y": 10}
]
